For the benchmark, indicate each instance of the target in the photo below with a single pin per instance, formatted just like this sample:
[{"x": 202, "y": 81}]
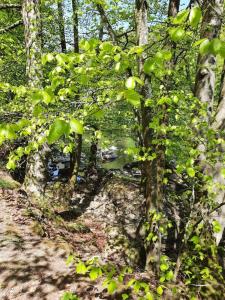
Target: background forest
[{"x": 112, "y": 171}]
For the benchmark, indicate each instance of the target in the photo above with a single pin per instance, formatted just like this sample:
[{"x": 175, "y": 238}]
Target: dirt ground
[{"x": 32, "y": 266}]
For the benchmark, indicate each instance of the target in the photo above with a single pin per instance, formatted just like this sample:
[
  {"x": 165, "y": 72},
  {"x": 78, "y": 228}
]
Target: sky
[{"x": 184, "y": 2}]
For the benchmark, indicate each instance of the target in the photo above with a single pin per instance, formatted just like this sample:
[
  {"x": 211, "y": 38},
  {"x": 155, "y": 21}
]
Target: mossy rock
[{"x": 7, "y": 182}]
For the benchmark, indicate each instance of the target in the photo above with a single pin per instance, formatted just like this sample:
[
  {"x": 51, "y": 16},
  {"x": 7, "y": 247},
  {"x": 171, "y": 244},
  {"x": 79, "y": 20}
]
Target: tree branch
[
  {"x": 12, "y": 26},
  {"x": 9, "y": 6},
  {"x": 106, "y": 22}
]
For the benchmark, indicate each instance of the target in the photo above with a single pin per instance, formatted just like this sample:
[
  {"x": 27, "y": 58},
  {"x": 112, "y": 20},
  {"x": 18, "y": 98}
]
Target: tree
[
  {"x": 36, "y": 177},
  {"x": 61, "y": 26}
]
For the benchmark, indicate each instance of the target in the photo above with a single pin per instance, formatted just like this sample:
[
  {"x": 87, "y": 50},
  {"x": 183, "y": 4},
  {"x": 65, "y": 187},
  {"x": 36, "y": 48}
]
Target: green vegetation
[{"x": 132, "y": 88}]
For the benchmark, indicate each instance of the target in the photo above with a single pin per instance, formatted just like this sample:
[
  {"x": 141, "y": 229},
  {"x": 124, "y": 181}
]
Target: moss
[
  {"x": 37, "y": 229},
  {"x": 78, "y": 228},
  {"x": 6, "y": 183}
]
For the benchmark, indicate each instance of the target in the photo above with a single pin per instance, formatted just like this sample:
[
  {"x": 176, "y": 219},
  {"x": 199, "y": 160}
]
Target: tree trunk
[
  {"x": 75, "y": 26},
  {"x": 174, "y": 6},
  {"x": 32, "y": 21},
  {"x": 76, "y": 154},
  {"x": 204, "y": 91},
  {"x": 150, "y": 168},
  {"x": 61, "y": 26},
  {"x": 35, "y": 179},
  {"x": 205, "y": 76}
]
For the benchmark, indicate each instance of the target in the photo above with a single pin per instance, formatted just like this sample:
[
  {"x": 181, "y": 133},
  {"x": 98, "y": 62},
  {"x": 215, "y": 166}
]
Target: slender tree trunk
[
  {"x": 150, "y": 168},
  {"x": 61, "y": 26},
  {"x": 76, "y": 154},
  {"x": 35, "y": 179},
  {"x": 75, "y": 26}
]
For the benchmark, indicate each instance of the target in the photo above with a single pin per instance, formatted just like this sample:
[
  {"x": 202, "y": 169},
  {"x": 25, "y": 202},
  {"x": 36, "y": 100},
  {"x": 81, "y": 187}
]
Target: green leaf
[
  {"x": 37, "y": 110},
  {"x": 81, "y": 268},
  {"x": 149, "y": 296},
  {"x": 181, "y": 17},
  {"x": 48, "y": 57},
  {"x": 58, "y": 128},
  {"x": 222, "y": 50},
  {"x": 164, "y": 55},
  {"x": 76, "y": 126},
  {"x": 197, "y": 43},
  {"x": 169, "y": 275},
  {"x": 216, "y": 226},
  {"x": 195, "y": 239},
  {"x": 204, "y": 47},
  {"x": 176, "y": 34},
  {"x": 125, "y": 296},
  {"x": 164, "y": 267},
  {"x": 149, "y": 66},
  {"x": 112, "y": 286},
  {"x": 47, "y": 96},
  {"x": 191, "y": 172},
  {"x": 159, "y": 290},
  {"x": 195, "y": 16},
  {"x": 106, "y": 46},
  {"x": 69, "y": 296},
  {"x": 215, "y": 46},
  {"x": 11, "y": 165},
  {"x": 69, "y": 259},
  {"x": 95, "y": 273},
  {"x": 223, "y": 172},
  {"x": 132, "y": 97},
  {"x": 130, "y": 83},
  {"x": 99, "y": 114}
]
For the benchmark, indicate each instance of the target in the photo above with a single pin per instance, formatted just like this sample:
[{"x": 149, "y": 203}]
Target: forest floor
[{"x": 33, "y": 266}]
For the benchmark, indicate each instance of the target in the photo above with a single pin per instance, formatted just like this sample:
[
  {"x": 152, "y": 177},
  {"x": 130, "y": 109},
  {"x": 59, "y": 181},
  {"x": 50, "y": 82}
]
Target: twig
[
  {"x": 10, "y": 6},
  {"x": 10, "y": 27}
]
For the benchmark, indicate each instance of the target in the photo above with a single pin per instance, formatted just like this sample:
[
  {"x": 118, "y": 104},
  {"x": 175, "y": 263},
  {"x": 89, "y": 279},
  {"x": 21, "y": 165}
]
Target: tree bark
[
  {"x": 61, "y": 26},
  {"x": 35, "y": 179},
  {"x": 174, "y": 6},
  {"x": 150, "y": 168},
  {"x": 75, "y": 26},
  {"x": 205, "y": 76},
  {"x": 204, "y": 91},
  {"x": 219, "y": 119},
  {"x": 76, "y": 154}
]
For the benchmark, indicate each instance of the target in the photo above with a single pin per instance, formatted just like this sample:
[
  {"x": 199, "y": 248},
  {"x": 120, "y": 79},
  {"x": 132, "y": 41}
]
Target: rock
[{"x": 119, "y": 208}]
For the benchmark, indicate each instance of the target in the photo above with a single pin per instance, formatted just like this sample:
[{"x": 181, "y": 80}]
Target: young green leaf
[
  {"x": 195, "y": 16},
  {"x": 191, "y": 172},
  {"x": 76, "y": 126},
  {"x": 204, "y": 47},
  {"x": 177, "y": 34},
  {"x": 95, "y": 273},
  {"x": 130, "y": 83},
  {"x": 58, "y": 128},
  {"x": 112, "y": 286},
  {"x": 181, "y": 17},
  {"x": 159, "y": 290},
  {"x": 81, "y": 268}
]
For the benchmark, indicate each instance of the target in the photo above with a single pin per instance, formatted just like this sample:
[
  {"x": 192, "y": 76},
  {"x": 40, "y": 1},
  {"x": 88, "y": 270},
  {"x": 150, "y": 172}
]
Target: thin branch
[
  {"x": 10, "y": 6},
  {"x": 10, "y": 27},
  {"x": 106, "y": 22}
]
